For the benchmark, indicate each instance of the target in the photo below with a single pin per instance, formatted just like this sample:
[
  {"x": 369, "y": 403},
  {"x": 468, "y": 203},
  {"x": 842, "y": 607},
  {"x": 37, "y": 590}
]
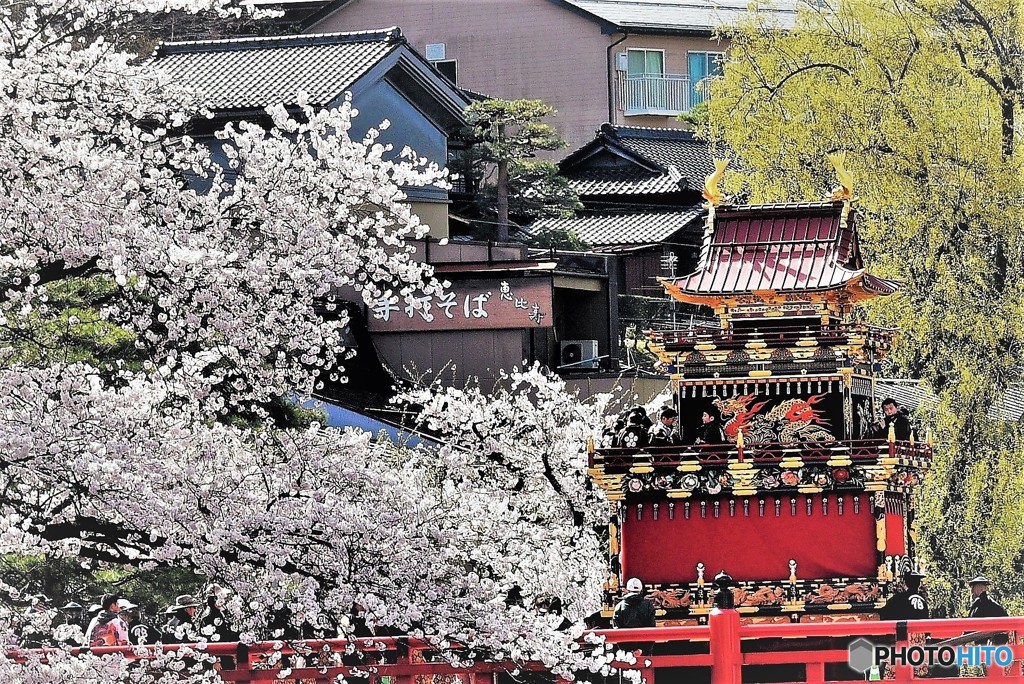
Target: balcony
[
  {"x": 818, "y": 349},
  {"x": 776, "y": 469},
  {"x": 664, "y": 95}
]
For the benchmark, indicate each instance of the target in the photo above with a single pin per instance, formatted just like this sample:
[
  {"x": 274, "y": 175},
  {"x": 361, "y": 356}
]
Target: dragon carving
[
  {"x": 793, "y": 420},
  {"x": 765, "y": 596},
  {"x": 853, "y": 593},
  {"x": 670, "y": 598},
  {"x": 737, "y": 413}
]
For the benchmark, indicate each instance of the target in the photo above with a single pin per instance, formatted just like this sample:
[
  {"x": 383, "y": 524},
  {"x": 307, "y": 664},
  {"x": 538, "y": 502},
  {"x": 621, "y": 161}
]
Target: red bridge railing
[
  {"x": 725, "y": 651},
  {"x": 811, "y": 653}
]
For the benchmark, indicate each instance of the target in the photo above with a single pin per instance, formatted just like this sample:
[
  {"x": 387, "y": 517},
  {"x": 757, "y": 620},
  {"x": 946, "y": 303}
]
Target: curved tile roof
[
  {"x": 810, "y": 246},
  {"x": 630, "y": 230},
  {"x": 253, "y": 73},
  {"x": 609, "y": 182},
  {"x": 648, "y": 161},
  {"x": 667, "y": 147}
]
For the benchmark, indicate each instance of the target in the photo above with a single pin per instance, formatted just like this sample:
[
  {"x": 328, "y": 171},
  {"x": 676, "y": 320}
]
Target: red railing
[
  {"x": 811, "y": 653},
  {"x": 721, "y": 652},
  {"x": 399, "y": 659}
]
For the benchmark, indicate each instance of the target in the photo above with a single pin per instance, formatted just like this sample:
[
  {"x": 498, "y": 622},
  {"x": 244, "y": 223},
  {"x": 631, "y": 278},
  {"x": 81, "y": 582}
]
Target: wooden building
[{"x": 803, "y": 499}]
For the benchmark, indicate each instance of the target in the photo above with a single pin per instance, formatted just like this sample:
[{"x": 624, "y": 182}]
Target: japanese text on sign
[{"x": 510, "y": 303}]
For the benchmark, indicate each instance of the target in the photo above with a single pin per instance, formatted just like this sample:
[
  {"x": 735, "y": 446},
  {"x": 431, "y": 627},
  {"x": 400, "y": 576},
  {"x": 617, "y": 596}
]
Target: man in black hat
[
  {"x": 71, "y": 631},
  {"x": 183, "y": 626},
  {"x": 634, "y": 435},
  {"x": 907, "y": 604},
  {"x": 982, "y": 606}
]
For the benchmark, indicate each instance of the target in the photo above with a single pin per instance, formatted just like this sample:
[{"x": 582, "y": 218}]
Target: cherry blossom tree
[
  {"x": 153, "y": 307},
  {"x": 457, "y": 543}
]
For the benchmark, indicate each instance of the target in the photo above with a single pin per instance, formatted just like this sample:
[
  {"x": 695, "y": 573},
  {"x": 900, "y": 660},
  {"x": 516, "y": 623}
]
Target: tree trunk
[
  {"x": 503, "y": 200},
  {"x": 502, "y": 191},
  {"x": 1007, "y": 106}
]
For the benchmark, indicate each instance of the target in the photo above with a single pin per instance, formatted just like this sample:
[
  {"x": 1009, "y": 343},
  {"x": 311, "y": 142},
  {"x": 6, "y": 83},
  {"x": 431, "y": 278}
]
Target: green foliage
[
  {"x": 537, "y": 191},
  {"x": 508, "y": 134},
  {"x": 923, "y": 96},
  {"x": 511, "y": 130},
  {"x": 65, "y": 579},
  {"x": 70, "y": 328},
  {"x": 697, "y": 116},
  {"x": 550, "y": 238}
]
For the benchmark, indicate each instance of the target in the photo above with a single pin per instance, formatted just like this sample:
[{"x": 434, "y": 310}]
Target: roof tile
[
  {"x": 688, "y": 154},
  {"x": 684, "y": 15},
  {"x": 782, "y": 248},
  {"x": 608, "y": 182},
  {"x": 677, "y": 153},
  {"x": 632, "y": 229},
  {"x": 253, "y": 73}
]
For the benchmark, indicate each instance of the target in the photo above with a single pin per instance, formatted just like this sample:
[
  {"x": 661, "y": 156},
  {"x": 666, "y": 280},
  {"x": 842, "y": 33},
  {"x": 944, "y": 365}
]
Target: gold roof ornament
[
  {"x": 845, "y": 190},
  {"x": 711, "y": 192}
]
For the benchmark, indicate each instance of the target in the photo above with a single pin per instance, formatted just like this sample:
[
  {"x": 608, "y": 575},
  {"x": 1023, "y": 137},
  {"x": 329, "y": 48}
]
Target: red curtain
[{"x": 750, "y": 546}]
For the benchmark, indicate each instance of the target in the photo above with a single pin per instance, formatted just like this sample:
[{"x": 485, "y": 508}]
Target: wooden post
[
  {"x": 903, "y": 673},
  {"x": 403, "y": 656},
  {"x": 726, "y": 658},
  {"x": 242, "y": 665}
]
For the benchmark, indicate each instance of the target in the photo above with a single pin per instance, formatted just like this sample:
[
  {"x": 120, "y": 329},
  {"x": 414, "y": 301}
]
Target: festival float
[{"x": 808, "y": 511}]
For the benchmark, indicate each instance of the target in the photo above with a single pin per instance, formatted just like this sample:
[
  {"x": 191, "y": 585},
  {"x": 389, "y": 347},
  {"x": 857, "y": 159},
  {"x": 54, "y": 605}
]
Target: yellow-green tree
[{"x": 925, "y": 98}]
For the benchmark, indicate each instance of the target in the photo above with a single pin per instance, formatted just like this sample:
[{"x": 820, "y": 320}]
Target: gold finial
[
  {"x": 739, "y": 438},
  {"x": 928, "y": 438},
  {"x": 590, "y": 445},
  {"x": 711, "y": 192},
  {"x": 912, "y": 438},
  {"x": 892, "y": 432},
  {"x": 845, "y": 189}
]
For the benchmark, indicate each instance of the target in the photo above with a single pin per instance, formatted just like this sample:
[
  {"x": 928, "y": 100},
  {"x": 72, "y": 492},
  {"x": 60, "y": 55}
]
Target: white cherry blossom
[{"x": 219, "y": 287}]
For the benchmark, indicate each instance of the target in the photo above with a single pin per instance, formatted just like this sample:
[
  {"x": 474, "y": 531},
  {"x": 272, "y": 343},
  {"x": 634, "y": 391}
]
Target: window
[
  {"x": 435, "y": 52},
  {"x": 448, "y": 69},
  {"x": 703, "y": 66},
  {"x": 645, "y": 81},
  {"x": 645, "y": 63}
]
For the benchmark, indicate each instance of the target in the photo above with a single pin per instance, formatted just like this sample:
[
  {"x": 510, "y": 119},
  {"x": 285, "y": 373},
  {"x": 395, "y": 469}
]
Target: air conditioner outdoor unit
[{"x": 579, "y": 354}]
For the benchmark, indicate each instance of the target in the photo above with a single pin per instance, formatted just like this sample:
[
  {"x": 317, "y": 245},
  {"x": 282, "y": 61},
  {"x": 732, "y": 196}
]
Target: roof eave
[
  {"x": 855, "y": 287},
  {"x": 604, "y": 141},
  {"x": 607, "y": 28},
  {"x": 453, "y": 100},
  {"x": 324, "y": 12},
  {"x": 649, "y": 29}
]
